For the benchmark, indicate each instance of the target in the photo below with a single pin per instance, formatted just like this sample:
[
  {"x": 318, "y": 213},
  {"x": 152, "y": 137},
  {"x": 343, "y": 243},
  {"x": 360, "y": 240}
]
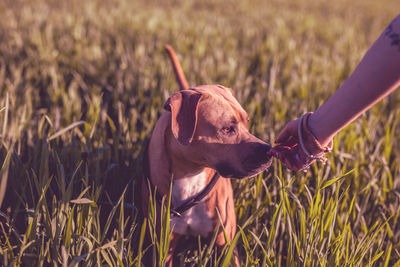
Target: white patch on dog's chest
[{"x": 197, "y": 220}]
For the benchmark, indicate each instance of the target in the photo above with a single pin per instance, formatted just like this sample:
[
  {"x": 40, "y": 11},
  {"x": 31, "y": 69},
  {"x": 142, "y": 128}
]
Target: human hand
[
  {"x": 297, "y": 147},
  {"x": 288, "y": 149}
]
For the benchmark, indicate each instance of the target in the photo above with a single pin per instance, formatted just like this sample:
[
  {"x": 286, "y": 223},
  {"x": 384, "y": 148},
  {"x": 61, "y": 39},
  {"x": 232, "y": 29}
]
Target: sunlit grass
[{"x": 82, "y": 84}]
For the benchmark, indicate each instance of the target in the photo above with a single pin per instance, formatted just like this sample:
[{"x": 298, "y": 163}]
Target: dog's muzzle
[{"x": 254, "y": 162}]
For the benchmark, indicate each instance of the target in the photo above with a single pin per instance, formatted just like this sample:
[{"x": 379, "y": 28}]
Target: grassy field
[{"x": 82, "y": 84}]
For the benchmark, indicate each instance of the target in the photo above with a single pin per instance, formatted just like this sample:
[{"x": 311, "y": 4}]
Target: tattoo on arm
[{"x": 395, "y": 37}]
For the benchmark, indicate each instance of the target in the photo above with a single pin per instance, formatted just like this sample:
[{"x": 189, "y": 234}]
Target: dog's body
[{"x": 203, "y": 130}]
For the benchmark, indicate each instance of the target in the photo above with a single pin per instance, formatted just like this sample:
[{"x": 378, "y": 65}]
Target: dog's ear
[
  {"x": 227, "y": 89},
  {"x": 183, "y": 107}
]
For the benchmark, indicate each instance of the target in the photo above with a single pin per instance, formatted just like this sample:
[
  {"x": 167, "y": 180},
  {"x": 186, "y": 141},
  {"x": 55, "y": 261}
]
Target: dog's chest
[{"x": 197, "y": 220}]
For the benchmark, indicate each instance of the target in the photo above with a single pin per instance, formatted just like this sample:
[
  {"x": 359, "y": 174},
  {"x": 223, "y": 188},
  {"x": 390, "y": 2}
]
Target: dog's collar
[
  {"x": 192, "y": 201},
  {"x": 177, "y": 212}
]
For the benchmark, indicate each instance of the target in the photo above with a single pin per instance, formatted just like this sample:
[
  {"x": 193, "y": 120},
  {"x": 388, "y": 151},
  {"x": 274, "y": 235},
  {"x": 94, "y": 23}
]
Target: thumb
[{"x": 289, "y": 130}]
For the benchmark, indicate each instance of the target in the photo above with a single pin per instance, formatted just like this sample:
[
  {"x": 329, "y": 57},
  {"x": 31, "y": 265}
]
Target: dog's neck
[
  {"x": 171, "y": 165},
  {"x": 189, "y": 186},
  {"x": 180, "y": 164}
]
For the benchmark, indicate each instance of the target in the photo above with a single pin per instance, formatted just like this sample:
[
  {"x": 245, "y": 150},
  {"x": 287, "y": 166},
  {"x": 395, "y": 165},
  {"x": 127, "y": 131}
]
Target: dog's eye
[{"x": 228, "y": 130}]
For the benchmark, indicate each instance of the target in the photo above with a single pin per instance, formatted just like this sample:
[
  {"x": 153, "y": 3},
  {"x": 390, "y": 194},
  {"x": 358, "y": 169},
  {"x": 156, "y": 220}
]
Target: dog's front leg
[
  {"x": 228, "y": 218},
  {"x": 220, "y": 248},
  {"x": 172, "y": 245}
]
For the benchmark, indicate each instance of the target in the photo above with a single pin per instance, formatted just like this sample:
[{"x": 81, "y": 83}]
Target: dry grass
[{"x": 82, "y": 84}]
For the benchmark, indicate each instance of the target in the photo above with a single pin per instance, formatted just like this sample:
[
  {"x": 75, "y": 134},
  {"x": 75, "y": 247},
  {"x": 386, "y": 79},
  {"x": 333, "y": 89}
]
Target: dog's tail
[{"x": 179, "y": 75}]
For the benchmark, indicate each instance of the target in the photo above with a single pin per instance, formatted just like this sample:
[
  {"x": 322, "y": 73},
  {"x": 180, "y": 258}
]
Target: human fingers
[
  {"x": 290, "y": 130},
  {"x": 292, "y": 157}
]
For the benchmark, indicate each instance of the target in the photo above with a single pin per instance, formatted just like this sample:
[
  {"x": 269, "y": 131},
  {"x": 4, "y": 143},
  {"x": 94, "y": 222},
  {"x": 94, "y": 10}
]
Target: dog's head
[{"x": 211, "y": 129}]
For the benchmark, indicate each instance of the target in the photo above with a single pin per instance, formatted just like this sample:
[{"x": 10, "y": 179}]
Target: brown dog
[{"x": 203, "y": 132}]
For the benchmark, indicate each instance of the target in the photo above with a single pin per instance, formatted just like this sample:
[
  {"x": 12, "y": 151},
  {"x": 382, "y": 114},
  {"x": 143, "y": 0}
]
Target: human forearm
[{"x": 377, "y": 75}]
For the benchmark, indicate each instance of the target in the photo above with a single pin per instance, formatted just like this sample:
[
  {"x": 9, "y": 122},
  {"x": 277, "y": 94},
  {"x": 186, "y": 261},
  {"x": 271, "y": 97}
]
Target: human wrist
[
  {"x": 314, "y": 126},
  {"x": 309, "y": 143}
]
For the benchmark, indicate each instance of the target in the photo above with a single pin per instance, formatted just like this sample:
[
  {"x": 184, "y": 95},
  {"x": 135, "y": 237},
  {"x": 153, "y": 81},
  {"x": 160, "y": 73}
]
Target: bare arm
[{"x": 376, "y": 76}]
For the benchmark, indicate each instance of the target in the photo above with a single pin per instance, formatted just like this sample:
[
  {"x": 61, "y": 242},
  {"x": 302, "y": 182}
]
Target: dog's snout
[
  {"x": 261, "y": 150},
  {"x": 260, "y": 154},
  {"x": 258, "y": 157}
]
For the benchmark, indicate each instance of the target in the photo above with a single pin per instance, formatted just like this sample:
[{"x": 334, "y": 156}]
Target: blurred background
[{"x": 82, "y": 84}]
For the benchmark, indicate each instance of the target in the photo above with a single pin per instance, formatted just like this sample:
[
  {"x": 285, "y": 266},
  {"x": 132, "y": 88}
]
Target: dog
[{"x": 201, "y": 141}]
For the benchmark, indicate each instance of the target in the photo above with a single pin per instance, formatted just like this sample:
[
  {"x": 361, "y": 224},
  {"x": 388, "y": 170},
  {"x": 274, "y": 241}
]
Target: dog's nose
[
  {"x": 261, "y": 150},
  {"x": 257, "y": 156},
  {"x": 259, "y": 153}
]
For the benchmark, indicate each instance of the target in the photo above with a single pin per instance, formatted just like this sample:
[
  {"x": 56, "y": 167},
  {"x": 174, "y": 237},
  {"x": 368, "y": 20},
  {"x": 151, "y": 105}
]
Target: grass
[{"x": 82, "y": 84}]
